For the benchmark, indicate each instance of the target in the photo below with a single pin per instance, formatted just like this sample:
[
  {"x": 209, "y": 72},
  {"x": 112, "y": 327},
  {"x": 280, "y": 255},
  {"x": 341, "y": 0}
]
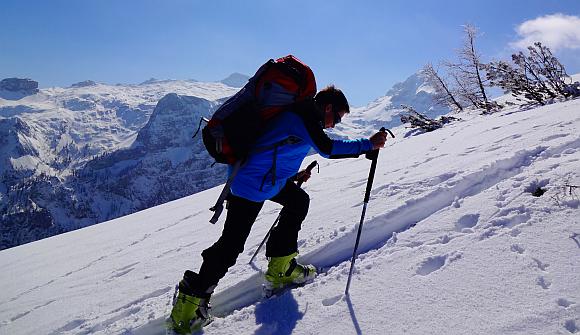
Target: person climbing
[{"x": 262, "y": 177}]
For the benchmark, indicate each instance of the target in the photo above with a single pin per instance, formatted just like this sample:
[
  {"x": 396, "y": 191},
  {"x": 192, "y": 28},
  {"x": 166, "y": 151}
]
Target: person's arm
[{"x": 313, "y": 134}]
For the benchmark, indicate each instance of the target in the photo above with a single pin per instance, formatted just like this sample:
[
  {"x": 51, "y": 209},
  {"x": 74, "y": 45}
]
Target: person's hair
[{"x": 334, "y": 96}]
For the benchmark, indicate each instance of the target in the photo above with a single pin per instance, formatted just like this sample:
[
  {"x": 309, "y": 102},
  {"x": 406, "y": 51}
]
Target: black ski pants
[{"x": 242, "y": 213}]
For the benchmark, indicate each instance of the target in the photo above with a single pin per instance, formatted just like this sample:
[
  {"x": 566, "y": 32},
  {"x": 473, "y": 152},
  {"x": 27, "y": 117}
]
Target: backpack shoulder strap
[{"x": 218, "y": 208}]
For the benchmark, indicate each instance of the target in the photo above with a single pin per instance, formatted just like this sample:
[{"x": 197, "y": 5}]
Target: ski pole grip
[
  {"x": 309, "y": 169},
  {"x": 374, "y": 154}
]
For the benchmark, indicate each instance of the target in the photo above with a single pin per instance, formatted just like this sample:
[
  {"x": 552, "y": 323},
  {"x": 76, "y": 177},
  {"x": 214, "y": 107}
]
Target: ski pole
[
  {"x": 309, "y": 169},
  {"x": 373, "y": 156}
]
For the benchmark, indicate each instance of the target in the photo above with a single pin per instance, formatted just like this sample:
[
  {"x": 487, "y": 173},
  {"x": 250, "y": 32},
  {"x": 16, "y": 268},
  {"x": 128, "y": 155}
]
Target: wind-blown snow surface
[{"x": 453, "y": 243}]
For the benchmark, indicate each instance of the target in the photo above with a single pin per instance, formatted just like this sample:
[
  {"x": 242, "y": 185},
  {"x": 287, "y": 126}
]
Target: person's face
[{"x": 332, "y": 117}]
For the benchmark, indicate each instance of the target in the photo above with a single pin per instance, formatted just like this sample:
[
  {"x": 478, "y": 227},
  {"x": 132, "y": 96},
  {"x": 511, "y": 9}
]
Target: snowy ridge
[{"x": 453, "y": 242}]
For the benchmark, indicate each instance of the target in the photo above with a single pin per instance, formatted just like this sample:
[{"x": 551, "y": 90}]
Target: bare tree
[
  {"x": 464, "y": 88},
  {"x": 444, "y": 95},
  {"x": 532, "y": 71},
  {"x": 515, "y": 80},
  {"x": 469, "y": 73},
  {"x": 549, "y": 67},
  {"x": 538, "y": 76}
]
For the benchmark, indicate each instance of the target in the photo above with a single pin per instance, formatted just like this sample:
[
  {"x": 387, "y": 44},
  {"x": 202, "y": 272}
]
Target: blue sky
[{"x": 363, "y": 47}]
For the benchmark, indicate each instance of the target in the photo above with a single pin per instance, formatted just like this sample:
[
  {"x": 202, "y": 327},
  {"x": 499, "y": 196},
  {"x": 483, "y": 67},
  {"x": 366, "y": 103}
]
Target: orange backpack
[{"x": 235, "y": 126}]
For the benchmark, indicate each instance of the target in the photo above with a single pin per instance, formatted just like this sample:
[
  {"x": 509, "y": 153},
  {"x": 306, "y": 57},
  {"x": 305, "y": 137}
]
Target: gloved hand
[
  {"x": 303, "y": 176},
  {"x": 378, "y": 140}
]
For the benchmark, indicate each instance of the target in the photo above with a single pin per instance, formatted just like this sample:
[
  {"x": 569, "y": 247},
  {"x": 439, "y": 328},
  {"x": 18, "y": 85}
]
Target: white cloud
[{"x": 557, "y": 31}]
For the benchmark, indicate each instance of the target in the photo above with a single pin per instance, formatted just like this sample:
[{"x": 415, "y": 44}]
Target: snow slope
[{"x": 453, "y": 243}]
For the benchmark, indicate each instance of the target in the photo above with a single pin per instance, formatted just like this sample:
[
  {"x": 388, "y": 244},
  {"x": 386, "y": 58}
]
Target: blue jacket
[{"x": 257, "y": 181}]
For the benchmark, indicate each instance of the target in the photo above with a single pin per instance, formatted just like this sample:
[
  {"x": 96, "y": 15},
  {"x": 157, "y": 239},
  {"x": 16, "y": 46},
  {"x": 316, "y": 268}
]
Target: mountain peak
[
  {"x": 384, "y": 111},
  {"x": 17, "y": 88},
  {"x": 150, "y": 81},
  {"x": 86, "y": 83},
  {"x": 19, "y": 85},
  {"x": 411, "y": 86},
  {"x": 235, "y": 80}
]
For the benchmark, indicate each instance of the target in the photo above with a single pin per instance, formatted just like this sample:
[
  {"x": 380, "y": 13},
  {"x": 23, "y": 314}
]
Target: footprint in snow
[
  {"x": 431, "y": 264},
  {"x": 540, "y": 265},
  {"x": 517, "y": 248},
  {"x": 488, "y": 233},
  {"x": 515, "y": 232},
  {"x": 543, "y": 282},
  {"x": 331, "y": 301},
  {"x": 562, "y": 302},
  {"x": 571, "y": 326},
  {"x": 435, "y": 263},
  {"x": 510, "y": 221},
  {"x": 467, "y": 221},
  {"x": 444, "y": 239}
]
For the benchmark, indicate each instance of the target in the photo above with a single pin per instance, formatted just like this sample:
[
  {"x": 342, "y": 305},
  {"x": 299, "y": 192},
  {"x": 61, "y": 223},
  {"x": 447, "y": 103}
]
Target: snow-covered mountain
[
  {"x": 92, "y": 152},
  {"x": 385, "y": 111},
  {"x": 470, "y": 229},
  {"x": 162, "y": 164},
  {"x": 236, "y": 80},
  {"x": 72, "y": 157}
]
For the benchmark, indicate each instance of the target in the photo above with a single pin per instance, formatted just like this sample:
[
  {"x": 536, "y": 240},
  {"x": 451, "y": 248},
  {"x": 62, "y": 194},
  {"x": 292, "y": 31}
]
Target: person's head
[{"x": 333, "y": 105}]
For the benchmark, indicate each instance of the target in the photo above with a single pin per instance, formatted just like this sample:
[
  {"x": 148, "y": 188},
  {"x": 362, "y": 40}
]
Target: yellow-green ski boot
[
  {"x": 190, "y": 313},
  {"x": 286, "y": 272}
]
